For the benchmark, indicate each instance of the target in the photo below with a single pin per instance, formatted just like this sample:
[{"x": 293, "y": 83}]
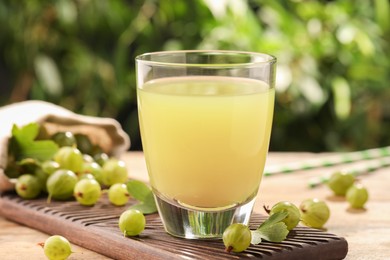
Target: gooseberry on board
[
  {"x": 237, "y": 237},
  {"x": 314, "y": 212},
  {"x": 132, "y": 222}
]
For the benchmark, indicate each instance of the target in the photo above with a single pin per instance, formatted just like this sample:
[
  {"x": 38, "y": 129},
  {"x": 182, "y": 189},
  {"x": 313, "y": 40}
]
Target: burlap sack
[{"x": 105, "y": 132}]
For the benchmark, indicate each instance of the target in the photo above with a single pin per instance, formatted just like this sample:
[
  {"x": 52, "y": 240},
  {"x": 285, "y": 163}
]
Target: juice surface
[{"x": 206, "y": 138}]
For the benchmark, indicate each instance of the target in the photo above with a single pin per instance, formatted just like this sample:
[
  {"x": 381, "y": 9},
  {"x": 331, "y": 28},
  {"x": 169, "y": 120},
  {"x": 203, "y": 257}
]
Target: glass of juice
[{"x": 205, "y": 120}]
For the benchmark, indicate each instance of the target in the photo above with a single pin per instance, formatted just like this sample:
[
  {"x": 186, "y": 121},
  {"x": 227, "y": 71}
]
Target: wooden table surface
[{"x": 367, "y": 231}]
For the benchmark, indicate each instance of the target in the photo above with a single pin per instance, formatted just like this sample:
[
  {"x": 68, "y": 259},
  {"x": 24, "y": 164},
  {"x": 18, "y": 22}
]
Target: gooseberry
[
  {"x": 64, "y": 139},
  {"x": 42, "y": 178},
  {"x": 314, "y": 212},
  {"x": 114, "y": 171},
  {"x": 101, "y": 158},
  {"x": 60, "y": 184},
  {"x": 357, "y": 196},
  {"x": 28, "y": 186},
  {"x": 237, "y": 237},
  {"x": 69, "y": 158},
  {"x": 87, "y": 158},
  {"x": 57, "y": 248},
  {"x": 50, "y": 166},
  {"x": 339, "y": 182},
  {"x": 118, "y": 194},
  {"x": 87, "y": 191},
  {"x": 84, "y": 144},
  {"x": 132, "y": 222},
  {"x": 94, "y": 169},
  {"x": 86, "y": 176},
  {"x": 28, "y": 165},
  {"x": 293, "y": 217}
]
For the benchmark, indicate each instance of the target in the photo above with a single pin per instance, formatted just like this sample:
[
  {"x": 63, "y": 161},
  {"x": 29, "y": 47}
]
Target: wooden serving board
[{"x": 96, "y": 228}]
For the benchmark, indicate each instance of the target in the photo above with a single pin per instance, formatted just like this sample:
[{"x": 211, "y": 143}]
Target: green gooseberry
[
  {"x": 314, "y": 212},
  {"x": 69, "y": 158},
  {"x": 64, "y": 139},
  {"x": 118, "y": 194},
  {"x": 114, "y": 171},
  {"x": 60, "y": 184},
  {"x": 357, "y": 196},
  {"x": 87, "y": 191},
  {"x": 339, "y": 182},
  {"x": 237, "y": 237},
  {"x": 293, "y": 217},
  {"x": 28, "y": 186},
  {"x": 57, "y": 248},
  {"x": 132, "y": 222}
]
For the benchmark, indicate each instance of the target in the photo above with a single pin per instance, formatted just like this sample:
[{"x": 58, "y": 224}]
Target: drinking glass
[{"x": 205, "y": 120}]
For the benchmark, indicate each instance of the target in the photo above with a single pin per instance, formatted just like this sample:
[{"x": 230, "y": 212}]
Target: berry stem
[
  {"x": 229, "y": 249},
  {"x": 266, "y": 208}
]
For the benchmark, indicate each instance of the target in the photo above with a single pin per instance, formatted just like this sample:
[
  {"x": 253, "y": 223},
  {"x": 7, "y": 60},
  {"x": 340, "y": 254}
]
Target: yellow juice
[{"x": 205, "y": 138}]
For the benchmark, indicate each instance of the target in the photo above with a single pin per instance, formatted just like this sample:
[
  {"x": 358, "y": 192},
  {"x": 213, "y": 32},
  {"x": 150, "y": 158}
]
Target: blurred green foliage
[{"x": 333, "y": 59}]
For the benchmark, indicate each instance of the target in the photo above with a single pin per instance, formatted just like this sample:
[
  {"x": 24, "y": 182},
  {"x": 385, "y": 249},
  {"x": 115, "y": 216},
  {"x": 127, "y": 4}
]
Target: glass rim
[{"x": 262, "y": 58}]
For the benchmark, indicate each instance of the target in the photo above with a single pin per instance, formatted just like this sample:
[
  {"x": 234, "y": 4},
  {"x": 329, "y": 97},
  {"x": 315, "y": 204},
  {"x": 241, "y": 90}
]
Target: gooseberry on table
[
  {"x": 94, "y": 169},
  {"x": 114, "y": 171},
  {"x": 357, "y": 196},
  {"x": 28, "y": 186},
  {"x": 87, "y": 191},
  {"x": 69, "y": 158},
  {"x": 118, "y": 194},
  {"x": 50, "y": 166},
  {"x": 237, "y": 237},
  {"x": 339, "y": 182},
  {"x": 314, "y": 212},
  {"x": 131, "y": 222},
  {"x": 57, "y": 248},
  {"x": 60, "y": 184}
]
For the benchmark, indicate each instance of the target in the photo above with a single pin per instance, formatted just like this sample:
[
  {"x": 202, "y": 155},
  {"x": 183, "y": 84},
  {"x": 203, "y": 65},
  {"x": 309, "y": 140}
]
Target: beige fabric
[{"x": 105, "y": 132}]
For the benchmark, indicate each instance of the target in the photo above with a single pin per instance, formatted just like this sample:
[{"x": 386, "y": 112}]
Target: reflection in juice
[{"x": 206, "y": 138}]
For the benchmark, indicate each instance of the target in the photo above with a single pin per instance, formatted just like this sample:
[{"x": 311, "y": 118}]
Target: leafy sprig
[
  {"x": 143, "y": 193},
  {"x": 272, "y": 229},
  {"x": 23, "y": 143}
]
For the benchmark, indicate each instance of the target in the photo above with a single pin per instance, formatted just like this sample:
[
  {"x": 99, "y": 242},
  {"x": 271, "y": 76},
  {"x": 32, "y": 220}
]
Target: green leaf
[
  {"x": 273, "y": 219},
  {"x": 23, "y": 145},
  {"x": 273, "y": 233},
  {"x": 41, "y": 150},
  {"x": 138, "y": 189},
  {"x": 26, "y": 133},
  {"x": 272, "y": 229},
  {"x": 256, "y": 237},
  {"x": 148, "y": 206},
  {"x": 141, "y": 192}
]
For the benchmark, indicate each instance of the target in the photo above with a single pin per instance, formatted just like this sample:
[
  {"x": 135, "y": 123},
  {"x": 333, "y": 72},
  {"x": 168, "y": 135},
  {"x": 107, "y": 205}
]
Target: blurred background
[{"x": 333, "y": 75}]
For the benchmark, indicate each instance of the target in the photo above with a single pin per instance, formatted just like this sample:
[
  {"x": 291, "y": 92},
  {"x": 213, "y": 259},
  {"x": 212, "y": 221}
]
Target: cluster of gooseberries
[
  {"x": 311, "y": 212},
  {"x": 77, "y": 170},
  {"x": 344, "y": 184}
]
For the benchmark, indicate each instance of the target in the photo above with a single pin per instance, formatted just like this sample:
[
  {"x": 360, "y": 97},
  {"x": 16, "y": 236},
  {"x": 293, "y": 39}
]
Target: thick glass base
[{"x": 190, "y": 223}]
